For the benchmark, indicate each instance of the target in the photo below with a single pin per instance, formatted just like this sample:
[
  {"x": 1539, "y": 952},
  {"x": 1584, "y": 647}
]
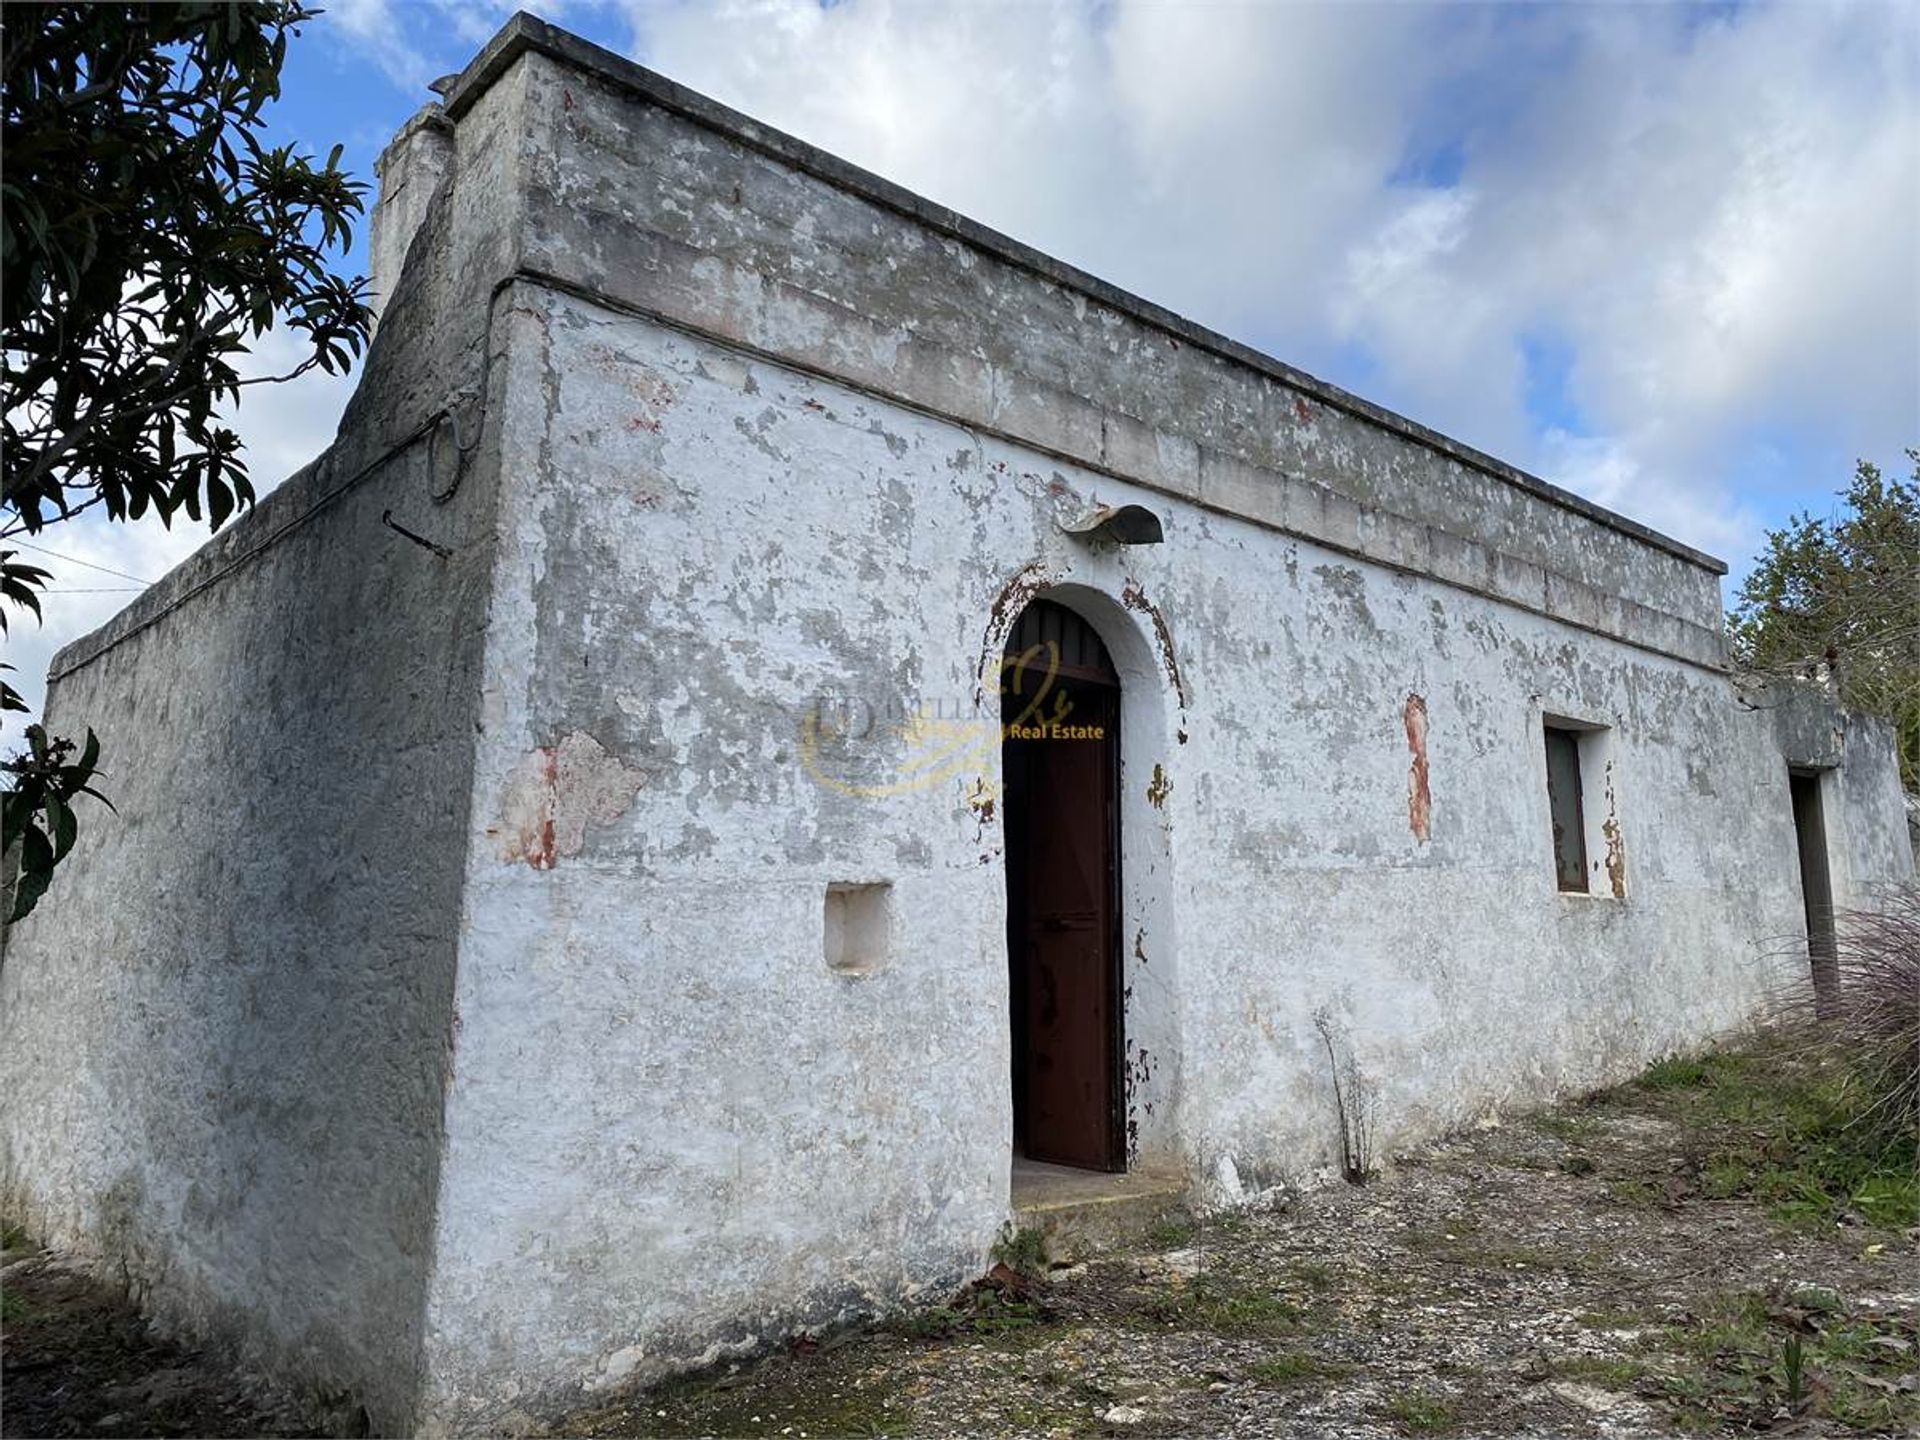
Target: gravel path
[
  {"x": 1595, "y": 1270},
  {"x": 1561, "y": 1275}
]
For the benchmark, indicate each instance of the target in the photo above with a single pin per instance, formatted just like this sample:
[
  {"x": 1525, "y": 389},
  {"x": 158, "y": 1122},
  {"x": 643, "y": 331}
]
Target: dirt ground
[
  {"x": 1643, "y": 1263},
  {"x": 77, "y": 1359}
]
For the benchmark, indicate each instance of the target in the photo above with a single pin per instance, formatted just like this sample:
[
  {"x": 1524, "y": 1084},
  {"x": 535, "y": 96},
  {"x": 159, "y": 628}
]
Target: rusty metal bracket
[{"x": 386, "y": 519}]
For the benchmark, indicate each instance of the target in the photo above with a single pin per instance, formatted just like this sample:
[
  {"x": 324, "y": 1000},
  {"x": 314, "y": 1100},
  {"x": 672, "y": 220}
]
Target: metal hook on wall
[{"x": 450, "y": 420}]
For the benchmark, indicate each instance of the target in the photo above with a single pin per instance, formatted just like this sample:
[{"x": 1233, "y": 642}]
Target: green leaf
[
  {"x": 64, "y": 827},
  {"x": 219, "y": 503},
  {"x": 147, "y": 229},
  {"x": 28, "y": 887},
  {"x": 36, "y": 856}
]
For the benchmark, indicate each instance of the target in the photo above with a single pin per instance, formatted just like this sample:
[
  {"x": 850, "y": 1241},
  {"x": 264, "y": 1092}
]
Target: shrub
[
  {"x": 1876, "y": 1020},
  {"x": 1865, "y": 1024},
  {"x": 1023, "y": 1251}
]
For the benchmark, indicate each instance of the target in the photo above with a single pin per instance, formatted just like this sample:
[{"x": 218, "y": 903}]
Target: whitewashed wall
[
  {"x": 444, "y": 1018},
  {"x": 672, "y": 1130}
]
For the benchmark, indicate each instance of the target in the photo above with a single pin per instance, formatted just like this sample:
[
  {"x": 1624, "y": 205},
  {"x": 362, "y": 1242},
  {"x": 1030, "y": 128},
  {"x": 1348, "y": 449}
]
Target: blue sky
[{"x": 1665, "y": 255}]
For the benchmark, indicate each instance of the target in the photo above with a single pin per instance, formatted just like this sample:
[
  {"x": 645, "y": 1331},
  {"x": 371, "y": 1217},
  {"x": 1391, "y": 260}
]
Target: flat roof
[{"x": 524, "y": 33}]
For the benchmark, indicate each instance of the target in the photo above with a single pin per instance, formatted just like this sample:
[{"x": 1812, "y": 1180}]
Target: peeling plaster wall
[
  {"x": 1856, "y": 758},
  {"x": 224, "y": 1028},
  {"x": 786, "y": 453},
  {"x": 673, "y": 1131},
  {"x": 661, "y": 200},
  {"x": 671, "y": 1128},
  {"x": 447, "y": 1010},
  {"x": 224, "y": 1032}
]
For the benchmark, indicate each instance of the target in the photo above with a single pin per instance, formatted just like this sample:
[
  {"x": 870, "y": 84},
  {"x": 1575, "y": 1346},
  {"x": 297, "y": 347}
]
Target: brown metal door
[{"x": 1063, "y": 877}]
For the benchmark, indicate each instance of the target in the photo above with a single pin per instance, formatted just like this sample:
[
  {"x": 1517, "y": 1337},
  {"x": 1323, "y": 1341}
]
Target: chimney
[{"x": 410, "y": 170}]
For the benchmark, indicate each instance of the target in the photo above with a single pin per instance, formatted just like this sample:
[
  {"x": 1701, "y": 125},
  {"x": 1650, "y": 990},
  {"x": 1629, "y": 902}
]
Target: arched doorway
[{"x": 1060, "y": 751}]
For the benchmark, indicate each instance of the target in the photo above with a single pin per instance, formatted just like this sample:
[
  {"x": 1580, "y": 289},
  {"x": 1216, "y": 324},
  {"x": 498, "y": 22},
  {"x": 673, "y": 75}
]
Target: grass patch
[
  {"x": 1461, "y": 1243},
  {"x": 1728, "y": 1325},
  {"x": 981, "y": 1312},
  {"x": 1315, "y": 1275},
  {"x": 1724, "y": 1177},
  {"x": 1679, "y": 1072},
  {"x": 1047, "y": 1419},
  {"x": 1023, "y": 1251},
  {"x": 859, "y": 1417},
  {"x": 1447, "y": 1231},
  {"x": 1782, "y": 1128},
  {"x": 1422, "y": 1412},
  {"x": 785, "y": 1402},
  {"x": 1606, "y": 1371},
  {"x": 1745, "y": 1356},
  {"x": 1296, "y": 1368},
  {"x": 1816, "y": 1299},
  {"x": 1172, "y": 1234},
  {"x": 1636, "y": 1192},
  {"x": 1222, "y": 1307},
  {"x": 936, "y": 1322},
  {"x": 1572, "y": 1126}
]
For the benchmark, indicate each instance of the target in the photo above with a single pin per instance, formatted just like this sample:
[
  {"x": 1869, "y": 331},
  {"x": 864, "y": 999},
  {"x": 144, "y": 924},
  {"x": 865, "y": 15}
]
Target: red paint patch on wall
[
  {"x": 1419, "y": 798},
  {"x": 554, "y": 795},
  {"x": 541, "y": 854}
]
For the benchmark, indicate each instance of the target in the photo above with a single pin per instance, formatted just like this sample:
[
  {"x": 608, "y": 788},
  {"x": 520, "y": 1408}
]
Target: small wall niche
[{"x": 859, "y": 926}]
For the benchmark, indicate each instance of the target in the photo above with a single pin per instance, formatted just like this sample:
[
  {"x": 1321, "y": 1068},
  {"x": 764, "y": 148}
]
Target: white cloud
[
  {"x": 284, "y": 427},
  {"x": 1716, "y": 212},
  {"x": 472, "y": 22},
  {"x": 413, "y": 42},
  {"x": 375, "y": 29},
  {"x": 1608, "y": 471},
  {"x": 1159, "y": 147},
  {"x": 1720, "y": 221},
  {"x": 1713, "y": 212}
]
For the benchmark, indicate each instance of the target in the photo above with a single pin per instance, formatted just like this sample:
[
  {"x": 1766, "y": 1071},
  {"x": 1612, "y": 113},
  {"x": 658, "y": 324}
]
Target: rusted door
[{"x": 1061, "y": 754}]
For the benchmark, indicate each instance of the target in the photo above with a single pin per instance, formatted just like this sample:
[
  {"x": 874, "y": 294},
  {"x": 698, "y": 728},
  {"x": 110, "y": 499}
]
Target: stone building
[{"x": 573, "y": 910}]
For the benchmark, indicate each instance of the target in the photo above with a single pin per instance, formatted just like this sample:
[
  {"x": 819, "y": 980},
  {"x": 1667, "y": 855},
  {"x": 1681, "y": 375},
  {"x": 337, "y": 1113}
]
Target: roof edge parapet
[{"x": 523, "y": 33}]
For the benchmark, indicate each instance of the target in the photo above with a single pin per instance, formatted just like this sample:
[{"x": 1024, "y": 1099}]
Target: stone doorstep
[{"x": 1082, "y": 1213}]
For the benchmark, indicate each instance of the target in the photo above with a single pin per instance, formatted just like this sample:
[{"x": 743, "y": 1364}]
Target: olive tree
[{"x": 1836, "y": 600}]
